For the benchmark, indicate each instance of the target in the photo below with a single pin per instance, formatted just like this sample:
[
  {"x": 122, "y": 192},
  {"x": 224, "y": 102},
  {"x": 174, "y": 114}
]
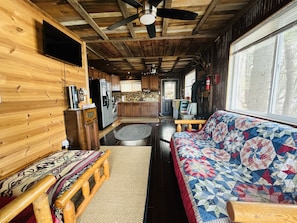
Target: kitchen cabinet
[
  {"x": 93, "y": 73},
  {"x": 138, "y": 109},
  {"x": 153, "y": 109},
  {"x": 145, "y": 82},
  {"x": 125, "y": 109},
  {"x": 115, "y": 83},
  {"x": 154, "y": 83},
  {"x": 145, "y": 109},
  {"x": 128, "y": 109},
  {"x": 107, "y": 77},
  {"x": 82, "y": 129},
  {"x": 96, "y": 74},
  {"x": 150, "y": 82}
]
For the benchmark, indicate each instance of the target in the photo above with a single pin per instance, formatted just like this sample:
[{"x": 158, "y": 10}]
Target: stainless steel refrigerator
[{"x": 100, "y": 92}]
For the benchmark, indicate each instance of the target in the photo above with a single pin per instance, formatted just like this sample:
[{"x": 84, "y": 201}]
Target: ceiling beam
[
  {"x": 77, "y": 6},
  {"x": 168, "y": 4},
  {"x": 208, "y": 11},
  {"x": 204, "y": 39},
  {"x": 78, "y": 22},
  {"x": 143, "y": 62},
  {"x": 125, "y": 13},
  {"x": 102, "y": 56},
  {"x": 160, "y": 62},
  {"x": 175, "y": 63},
  {"x": 130, "y": 64},
  {"x": 151, "y": 58}
]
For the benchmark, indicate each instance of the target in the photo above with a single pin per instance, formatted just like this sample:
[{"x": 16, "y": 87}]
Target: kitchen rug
[{"x": 134, "y": 134}]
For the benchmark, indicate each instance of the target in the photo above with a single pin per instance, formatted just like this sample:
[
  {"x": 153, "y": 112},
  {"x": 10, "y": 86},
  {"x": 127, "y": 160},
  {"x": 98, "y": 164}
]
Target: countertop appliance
[{"x": 100, "y": 92}]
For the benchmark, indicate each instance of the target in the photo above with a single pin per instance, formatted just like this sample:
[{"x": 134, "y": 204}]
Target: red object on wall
[
  {"x": 216, "y": 79},
  {"x": 207, "y": 83}
]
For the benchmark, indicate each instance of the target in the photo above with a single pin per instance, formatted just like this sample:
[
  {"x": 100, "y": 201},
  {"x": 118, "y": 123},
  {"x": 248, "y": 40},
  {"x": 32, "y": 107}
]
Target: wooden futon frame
[
  {"x": 37, "y": 195},
  {"x": 189, "y": 123}
]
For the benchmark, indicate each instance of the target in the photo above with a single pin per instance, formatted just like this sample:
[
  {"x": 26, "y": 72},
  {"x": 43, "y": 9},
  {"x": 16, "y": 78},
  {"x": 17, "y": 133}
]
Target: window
[
  {"x": 190, "y": 79},
  {"x": 263, "y": 69},
  {"x": 170, "y": 90},
  {"x": 130, "y": 85}
]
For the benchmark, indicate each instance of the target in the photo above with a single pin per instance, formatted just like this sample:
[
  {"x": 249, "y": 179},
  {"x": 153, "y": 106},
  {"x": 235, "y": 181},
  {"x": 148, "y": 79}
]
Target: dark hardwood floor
[{"x": 164, "y": 202}]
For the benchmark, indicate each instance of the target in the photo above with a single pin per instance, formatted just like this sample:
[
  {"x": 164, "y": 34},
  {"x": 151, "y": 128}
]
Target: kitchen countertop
[{"x": 138, "y": 102}]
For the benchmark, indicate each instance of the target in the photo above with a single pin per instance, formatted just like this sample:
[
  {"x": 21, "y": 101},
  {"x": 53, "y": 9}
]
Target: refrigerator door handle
[{"x": 107, "y": 97}]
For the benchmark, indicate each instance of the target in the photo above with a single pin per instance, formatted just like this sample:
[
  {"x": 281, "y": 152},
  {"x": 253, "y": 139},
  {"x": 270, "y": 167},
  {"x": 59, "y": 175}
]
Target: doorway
[{"x": 169, "y": 92}]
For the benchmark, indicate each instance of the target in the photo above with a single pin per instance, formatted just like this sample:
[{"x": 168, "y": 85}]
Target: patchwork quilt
[
  {"x": 234, "y": 157},
  {"x": 66, "y": 166}
]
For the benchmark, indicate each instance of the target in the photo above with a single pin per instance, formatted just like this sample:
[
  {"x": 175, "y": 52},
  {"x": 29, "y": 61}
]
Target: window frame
[
  {"x": 189, "y": 85},
  {"x": 272, "y": 27}
]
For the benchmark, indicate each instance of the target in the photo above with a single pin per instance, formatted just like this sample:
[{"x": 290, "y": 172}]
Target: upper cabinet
[
  {"x": 150, "y": 82},
  {"x": 115, "y": 83},
  {"x": 145, "y": 82},
  {"x": 96, "y": 74},
  {"x": 154, "y": 83}
]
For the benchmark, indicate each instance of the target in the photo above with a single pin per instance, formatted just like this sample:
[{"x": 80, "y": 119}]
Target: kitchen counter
[
  {"x": 138, "y": 109},
  {"x": 137, "y": 102}
]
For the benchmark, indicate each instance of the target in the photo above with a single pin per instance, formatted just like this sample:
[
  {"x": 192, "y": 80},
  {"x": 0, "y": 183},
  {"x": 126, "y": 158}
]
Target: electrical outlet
[{"x": 65, "y": 144}]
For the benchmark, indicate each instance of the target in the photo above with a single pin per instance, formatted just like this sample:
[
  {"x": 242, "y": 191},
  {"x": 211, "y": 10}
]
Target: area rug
[
  {"x": 133, "y": 132},
  {"x": 122, "y": 198}
]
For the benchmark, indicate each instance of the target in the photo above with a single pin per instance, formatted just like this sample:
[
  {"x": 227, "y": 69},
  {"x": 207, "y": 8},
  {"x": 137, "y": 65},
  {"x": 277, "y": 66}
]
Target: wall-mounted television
[{"x": 60, "y": 46}]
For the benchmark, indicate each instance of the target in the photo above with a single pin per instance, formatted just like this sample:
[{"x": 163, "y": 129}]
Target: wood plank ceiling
[{"x": 179, "y": 45}]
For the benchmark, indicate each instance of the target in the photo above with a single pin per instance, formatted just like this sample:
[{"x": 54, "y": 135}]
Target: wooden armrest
[
  {"x": 65, "y": 203},
  {"x": 258, "y": 212},
  {"x": 199, "y": 122},
  {"x": 36, "y": 195}
]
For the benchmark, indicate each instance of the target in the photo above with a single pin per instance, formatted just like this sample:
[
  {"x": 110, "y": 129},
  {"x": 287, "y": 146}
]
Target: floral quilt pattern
[{"x": 234, "y": 157}]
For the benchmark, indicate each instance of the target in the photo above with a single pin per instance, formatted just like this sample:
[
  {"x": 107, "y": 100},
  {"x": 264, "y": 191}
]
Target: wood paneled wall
[
  {"x": 261, "y": 10},
  {"x": 32, "y": 87}
]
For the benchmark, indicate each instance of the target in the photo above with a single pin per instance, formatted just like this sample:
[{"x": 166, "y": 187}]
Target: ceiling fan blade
[
  {"x": 154, "y": 2},
  {"x": 176, "y": 14},
  {"x": 151, "y": 30},
  {"x": 123, "y": 22},
  {"x": 133, "y": 3}
]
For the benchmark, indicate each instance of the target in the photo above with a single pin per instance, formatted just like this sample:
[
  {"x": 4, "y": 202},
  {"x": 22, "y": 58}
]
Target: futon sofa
[
  {"x": 234, "y": 158},
  {"x": 63, "y": 182}
]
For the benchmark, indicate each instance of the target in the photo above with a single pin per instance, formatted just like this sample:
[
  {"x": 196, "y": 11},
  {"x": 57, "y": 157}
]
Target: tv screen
[{"x": 58, "y": 45}]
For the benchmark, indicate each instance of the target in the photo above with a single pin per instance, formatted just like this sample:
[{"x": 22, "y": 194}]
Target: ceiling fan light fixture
[
  {"x": 147, "y": 19},
  {"x": 148, "y": 15}
]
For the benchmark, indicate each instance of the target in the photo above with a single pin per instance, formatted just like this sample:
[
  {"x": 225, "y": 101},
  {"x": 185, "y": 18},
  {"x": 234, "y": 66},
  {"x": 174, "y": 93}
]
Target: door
[
  {"x": 169, "y": 91},
  {"x": 109, "y": 104}
]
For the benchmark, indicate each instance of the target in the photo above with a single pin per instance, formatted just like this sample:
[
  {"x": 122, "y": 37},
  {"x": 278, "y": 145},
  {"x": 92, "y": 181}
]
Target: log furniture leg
[
  {"x": 36, "y": 195},
  {"x": 64, "y": 202}
]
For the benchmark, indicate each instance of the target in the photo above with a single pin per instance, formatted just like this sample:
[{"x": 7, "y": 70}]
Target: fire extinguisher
[{"x": 207, "y": 83}]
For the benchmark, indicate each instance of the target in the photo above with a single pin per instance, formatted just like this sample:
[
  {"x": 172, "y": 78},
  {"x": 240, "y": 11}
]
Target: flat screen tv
[{"x": 58, "y": 45}]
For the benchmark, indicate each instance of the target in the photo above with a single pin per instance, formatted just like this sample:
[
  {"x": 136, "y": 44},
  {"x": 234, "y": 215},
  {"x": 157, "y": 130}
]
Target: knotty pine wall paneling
[{"x": 32, "y": 87}]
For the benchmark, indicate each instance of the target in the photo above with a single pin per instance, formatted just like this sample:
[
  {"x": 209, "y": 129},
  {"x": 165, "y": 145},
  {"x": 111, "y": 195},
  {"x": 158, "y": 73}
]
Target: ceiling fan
[{"x": 148, "y": 12}]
